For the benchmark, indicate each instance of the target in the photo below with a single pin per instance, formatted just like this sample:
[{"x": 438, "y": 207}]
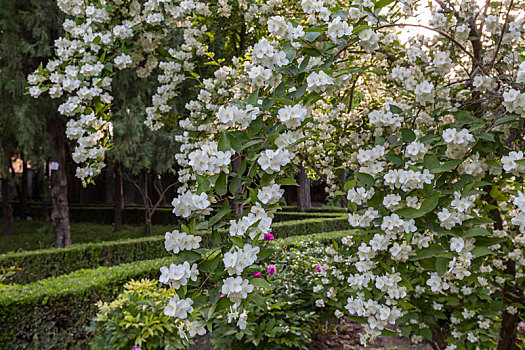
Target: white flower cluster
[
  {"x": 371, "y": 160},
  {"x": 424, "y": 93},
  {"x": 246, "y": 223},
  {"x": 382, "y": 117},
  {"x": 393, "y": 225},
  {"x": 519, "y": 217},
  {"x": 272, "y": 160},
  {"x": 232, "y": 115},
  {"x": 178, "y": 275},
  {"x": 176, "y": 241},
  {"x": 408, "y": 180},
  {"x": 209, "y": 161},
  {"x": 461, "y": 208},
  {"x": 292, "y": 117},
  {"x": 457, "y": 142},
  {"x": 509, "y": 163},
  {"x": 364, "y": 220},
  {"x": 186, "y": 203},
  {"x": 280, "y": 27},
  {"x": 378, "y": 315},
  {"x": 236, "y": 261},
  {"x": 360, "y": 195},
  {"x": 416, "y": 150},
  {"x": 179, "y": 308},
  {"x": 319, "y": 81},
  {"x": 514, "y": 102},
  {"x": 270, "y": 194},
  {"x": 265, "y": 54},
  {"x": 369, "y": 39},
  {"x": 236, "y": 289},
  {"x": 338, "y": 28}
]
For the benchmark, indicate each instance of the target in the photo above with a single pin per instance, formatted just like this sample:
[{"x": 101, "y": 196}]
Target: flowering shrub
[
  {"x": 420, "y": 136},
  {"x": 136, "y": 319}
]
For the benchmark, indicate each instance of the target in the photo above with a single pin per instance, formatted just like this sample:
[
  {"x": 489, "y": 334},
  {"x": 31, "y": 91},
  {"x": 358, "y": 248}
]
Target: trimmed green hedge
[
  {"x": 54, "y": 313},
  {"x": 325, "y": 237},
  {"x": 134, "y": 215},
  {"x": 40, "y": 264}
]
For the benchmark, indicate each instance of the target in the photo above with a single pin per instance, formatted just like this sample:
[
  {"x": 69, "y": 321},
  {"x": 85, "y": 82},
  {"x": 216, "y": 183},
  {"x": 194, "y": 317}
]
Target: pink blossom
[
  {"x": 271, "y": 270},
  {"x": 268, "y": 237},
  {"x": 257, "y": 274},
  {"x": 319, "y": 268}
]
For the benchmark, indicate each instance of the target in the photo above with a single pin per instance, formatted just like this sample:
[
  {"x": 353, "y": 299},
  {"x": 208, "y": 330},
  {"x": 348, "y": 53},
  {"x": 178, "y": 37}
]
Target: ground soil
[{"x": 348, "y": 339}]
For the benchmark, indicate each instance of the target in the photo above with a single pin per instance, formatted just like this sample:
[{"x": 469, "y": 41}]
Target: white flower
[{"x": 178, "y": 308}]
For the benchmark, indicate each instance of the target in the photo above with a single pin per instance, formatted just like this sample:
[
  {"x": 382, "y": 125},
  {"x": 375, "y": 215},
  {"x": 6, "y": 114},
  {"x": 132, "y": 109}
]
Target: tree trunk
[
  {"x": 8, "y": 224},
  {"x": 303, "y": 191},
  {"x": 236, "y": 163},
  {"x": 59, "y": 202},
  {"x": 45, "y": 193},
  {"x": 23, "y": 192},
  {"x": 509, "y": 323},
  {"x": 118, "y": 199},
  {"x": 147, "y": 211}
]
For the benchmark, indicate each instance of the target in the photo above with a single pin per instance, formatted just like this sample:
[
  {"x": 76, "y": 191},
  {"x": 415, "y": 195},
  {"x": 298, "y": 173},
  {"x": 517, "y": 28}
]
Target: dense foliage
[{"x": 420, "y": 136}]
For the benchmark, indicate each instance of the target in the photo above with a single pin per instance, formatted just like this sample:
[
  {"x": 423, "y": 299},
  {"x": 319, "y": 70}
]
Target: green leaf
[
  {"x": 287, "y": 182},
  {"x": 221, "y": 186},
  {"x": 504, "y": 120},
  {"x": 188, "y": 256},
  {"x": 447, "y": 166},
  {"x": 224, "y": 142},
  {"x": 223, "y": 303},
  {"x": 237, "y": 241},
  {"x": 408, "y": 135},
  {"x": 431, "y": 162},
  {"x": 260, "y": 282},
  {"x": 426, "y": 333},
  {"x": 481, "y": 251},
  {"x": 265, "y": 253},
  {"x": 487, "y": 136},
  {"x": 259, "y": 300},
  {"x": 204, "y": 183},
  {"x": 382, "y": 3},
  {"x": 394, "y": 159},
  {"x": 441, "y": 266},
  {"x": 430, "y": 203},
  {"x": 311, "y": 36},
  {"x": 429, "y": 252},
  {"x": 225, "y": 209},
  {"x": 365, "y": 179},
  {"x": 477, "y": 231},
  {"x": 409, "y": 213},
  {"x": 290, "y": 52},
  {"x": 210, "y": 265},
  {"x": 395, "y": 109},
  {"x": 254, "y": 97}
]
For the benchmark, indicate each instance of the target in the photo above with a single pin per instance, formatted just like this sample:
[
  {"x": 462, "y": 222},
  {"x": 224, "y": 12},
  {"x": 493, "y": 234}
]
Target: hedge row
[
  {"x": 44, "y": 263},
  {"x": 134, "y": 215},
  {"x": 55, "y": 312}
]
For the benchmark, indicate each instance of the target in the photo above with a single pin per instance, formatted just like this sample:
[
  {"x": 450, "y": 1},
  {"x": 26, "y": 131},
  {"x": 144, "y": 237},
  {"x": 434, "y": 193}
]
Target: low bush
[
  {"x": 40, "y": 264},
  {"x": 55, "y": 312},
  {"x": 34, "y": 235}
]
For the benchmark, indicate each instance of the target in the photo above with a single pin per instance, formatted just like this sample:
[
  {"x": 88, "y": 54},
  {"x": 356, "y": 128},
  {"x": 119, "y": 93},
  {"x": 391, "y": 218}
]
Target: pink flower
[
  {"x": 271, "y": 270},
  {"x": 257, "y": 274},
  {"x": 319, "y": 268},
  {"x": 268, "y": 237}
]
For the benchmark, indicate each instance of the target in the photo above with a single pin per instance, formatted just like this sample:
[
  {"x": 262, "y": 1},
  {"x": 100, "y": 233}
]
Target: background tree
[{"x": 28, "y": 30}]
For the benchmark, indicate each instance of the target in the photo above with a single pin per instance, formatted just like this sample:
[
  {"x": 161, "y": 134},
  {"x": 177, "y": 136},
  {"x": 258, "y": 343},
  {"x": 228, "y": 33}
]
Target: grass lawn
[{"x": 31, "y": 235}]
